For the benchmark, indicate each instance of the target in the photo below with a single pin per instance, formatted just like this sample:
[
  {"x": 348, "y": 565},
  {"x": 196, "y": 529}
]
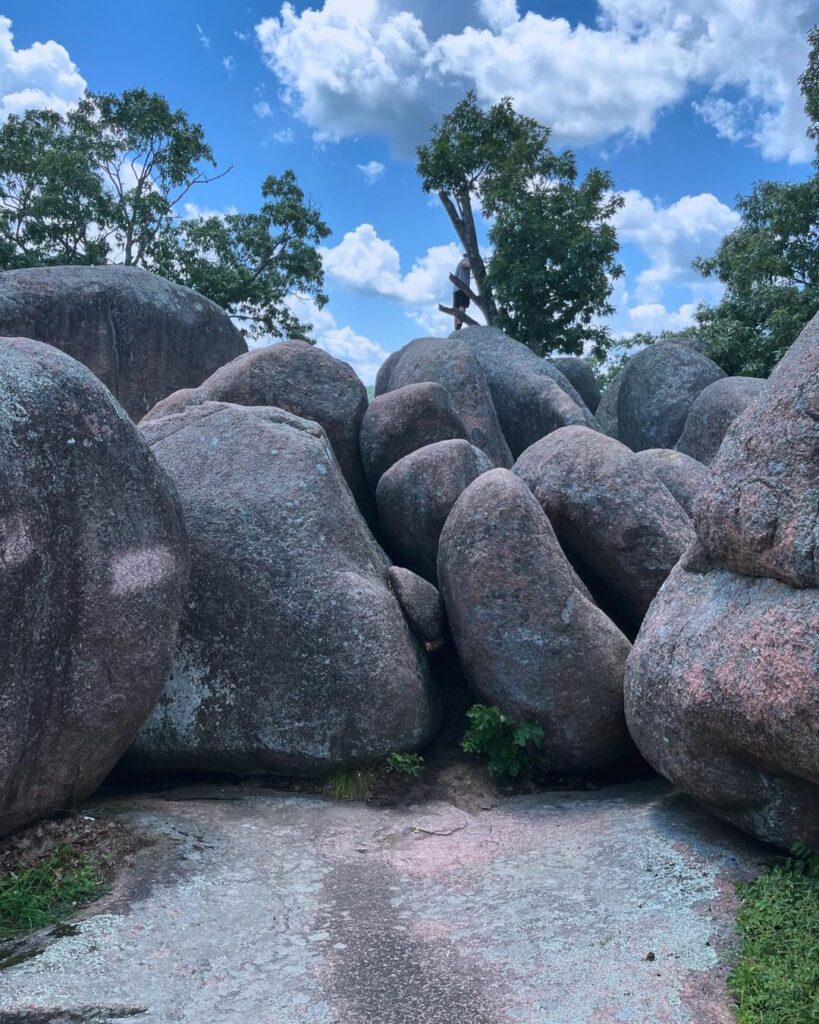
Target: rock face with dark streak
[
  {"x": 712, "y": 413},
  {"x": 607, "y": 412},
  {"x": 579, "y": 374},
  {"x": 143, "y": 336},
  {"x": 683, "y": 476},
  {"x": 302, "y": 379},
  {"x": 402, "y": 421},
  {"x": 414, "y": 498},
  {"x": 760, "y": 517},
  {"x": 93, "y": 571},
  {"x": 451, "y": 364},
  {"x": 529, "y": 641},
  {"x": 657, "y": 389},
  {"x": 532, "y": 397},
  {"x": 621, "y": 528},
  {"x": 294, "y": 655}
]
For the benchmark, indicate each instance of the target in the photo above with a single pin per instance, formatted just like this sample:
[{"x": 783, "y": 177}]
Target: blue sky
[{"x": 687, "y": 103}]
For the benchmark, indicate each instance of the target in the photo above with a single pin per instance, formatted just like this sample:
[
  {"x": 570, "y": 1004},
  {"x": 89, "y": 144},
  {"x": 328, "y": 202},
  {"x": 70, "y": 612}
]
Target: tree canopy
[
  {"x": 548, "y": 276},
  {"x": 105, "y": 182}
]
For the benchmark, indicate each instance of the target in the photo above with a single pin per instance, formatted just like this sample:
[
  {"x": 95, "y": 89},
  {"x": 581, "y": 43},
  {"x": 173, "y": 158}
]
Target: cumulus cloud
[
  {"x": 262, "y": 109},
  {"x": 670, "y": 237},
  {"x": 229, "y": 64},
  {"x": 372, "y": 67},
  {"x": 372, "y": 171},
  {"x": 40, "y": 77}
]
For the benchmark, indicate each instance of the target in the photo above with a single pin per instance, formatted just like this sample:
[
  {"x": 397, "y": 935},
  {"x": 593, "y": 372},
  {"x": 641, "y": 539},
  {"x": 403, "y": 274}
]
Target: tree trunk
[{"x": 464, "y": 224}]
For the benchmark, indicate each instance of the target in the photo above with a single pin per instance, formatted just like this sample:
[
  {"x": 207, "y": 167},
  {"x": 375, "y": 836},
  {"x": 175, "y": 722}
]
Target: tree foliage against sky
[
  {"x": 553, "y": 247},
  {"x": 105, "y": 183}
]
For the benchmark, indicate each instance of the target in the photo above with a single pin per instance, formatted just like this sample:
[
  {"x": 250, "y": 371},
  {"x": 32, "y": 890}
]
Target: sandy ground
[{"x": 256, "y": 907}]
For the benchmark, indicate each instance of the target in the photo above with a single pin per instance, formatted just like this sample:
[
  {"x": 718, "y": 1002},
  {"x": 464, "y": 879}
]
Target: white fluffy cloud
[
  {"x": 41, "y": 77},
  {"x": 372, "y": 171},
  {"x": 365, "y": 67},
  {"x": 671, "y": 237}
]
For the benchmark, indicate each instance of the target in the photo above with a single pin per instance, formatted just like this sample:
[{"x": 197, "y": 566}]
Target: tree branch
[
  {"x": 462, "y": 286},
  {"x": 459, "y": 314}
]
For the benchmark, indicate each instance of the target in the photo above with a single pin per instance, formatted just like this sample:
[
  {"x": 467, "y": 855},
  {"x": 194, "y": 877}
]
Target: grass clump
[
  {"x": 405, "y": 764},
  {"x": 502, "y": 740},
  {"x": 351, "y": 782},
  {"x": 41, "y": 894},
  {"x": 776, "y": 980}
]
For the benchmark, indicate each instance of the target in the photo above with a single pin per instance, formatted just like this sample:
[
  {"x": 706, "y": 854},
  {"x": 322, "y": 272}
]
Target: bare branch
[
  {"x": 465, "y": 289},
  {"x": 459, "y": 314}
]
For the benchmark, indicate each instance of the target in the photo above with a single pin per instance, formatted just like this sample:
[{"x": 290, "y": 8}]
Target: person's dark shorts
[{"x": 460, "y": 300}]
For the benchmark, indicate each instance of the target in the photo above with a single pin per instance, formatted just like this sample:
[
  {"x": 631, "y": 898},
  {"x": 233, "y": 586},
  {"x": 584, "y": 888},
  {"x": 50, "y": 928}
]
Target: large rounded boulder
[
  {"x": 722, "y": 697},
  {"x": 93, "y": 572},
  {"x": 143, "y": 336},
  {"x": 532, "y": 397},
  {"x": 712, "y": 413},
  {"x": 580, "y": 375},
  {"x": 683, "y": 476},
  {"x": 404, "y": 420},
  {"x": 657, "y": 389},
  {"x": 415, "y": 496},
  {"x": 302, "y": 379},
  {"x": 294, "y": 655},
  {"x": 453, "y": 365},
  {"x": 529, "y": 640},
  {"x": 621, "y": 528},
  {"x": 760, "y": 516}
]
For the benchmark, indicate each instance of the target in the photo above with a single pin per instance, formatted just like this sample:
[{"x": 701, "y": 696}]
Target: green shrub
[
  {"x": 42, "y": 894},
  {"x": 405, "y": 764},
  {"x": 352, "y": 782},
  {"x": 776, "y": 980},
  {"x": 502, "y": 740}
]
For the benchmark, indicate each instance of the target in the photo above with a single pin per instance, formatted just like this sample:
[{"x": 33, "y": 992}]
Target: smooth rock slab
[{"x": 271, "y": 909}]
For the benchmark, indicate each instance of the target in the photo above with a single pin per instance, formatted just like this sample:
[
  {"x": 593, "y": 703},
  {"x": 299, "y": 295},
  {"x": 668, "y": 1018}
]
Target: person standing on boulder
[{"x": 460, "y": 300}]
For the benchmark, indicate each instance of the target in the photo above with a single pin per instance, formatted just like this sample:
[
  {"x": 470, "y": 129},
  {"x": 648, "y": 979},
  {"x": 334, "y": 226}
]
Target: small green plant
[
  {"x": 502, "y": 740},
  {"x": 405, "y": 764},
  {"x": 776, "y": 980},
  {"x": 352, "y": 782},
  {"x": 40, "y": 895}
]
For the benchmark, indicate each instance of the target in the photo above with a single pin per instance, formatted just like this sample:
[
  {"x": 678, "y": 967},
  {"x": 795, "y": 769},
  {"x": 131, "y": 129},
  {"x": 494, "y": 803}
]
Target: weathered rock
[
  {"x": 302, "y": 379},
  {"x": 621, "y": 528},
  {"x": 722, "y": 697},
  {"x": 142, "y": 335},
  {"x": 760, "y": 515},
  {"x": 607, "y": 412},
  {"x": 532, "y": 397},
  {"x": 451, "y": 364},
  {"x": 657, "y": 388},
  {"x": 294, "y": 656},
  {"x": 93, "y": 570},
  {"x": 712, "y": 413},
  {"x": 683, "y": 476},
  {"x": 528, "y": 640},
  {"x": 422, "y": 605},
  {"x": 414, "y": 498},
  {"x": 402, "y": 421},
  {"x": 580, "y": 375}
]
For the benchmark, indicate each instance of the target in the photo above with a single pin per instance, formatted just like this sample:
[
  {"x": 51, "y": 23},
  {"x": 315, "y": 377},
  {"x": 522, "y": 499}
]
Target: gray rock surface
[
  {"x": 422, "y": 604},
  {"x": 93, "y": 570},
  {"x": 722, "y": 697},
  {"x": 451, "y": 364},
  {"x": 683, "y": 476},
  {"x": 532, "y": 397},
  {"x": 657, "y": 389},
  {"x": 302, "y": 379},
  {"x": 415, "y": 496},
  {"x": 580, "y": 375},
  {"x": 621, "y": 528},
  {"x": 402, "y": 421},
  {"x": 712, "y": 413},
  {"x": 143, "y": 336},
  {"x": 294, "y": 655},
  {"x": 607, "y": 413},
  {"x": 760, "y": 516},
  {"x": 528, "y": 639}
]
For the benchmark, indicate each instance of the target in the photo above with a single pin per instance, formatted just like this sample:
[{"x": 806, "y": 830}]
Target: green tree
[
  {"x": 105, "y": 183},
  {"x": 553, "y": 248},
  {"x": 769, "y": 264}
]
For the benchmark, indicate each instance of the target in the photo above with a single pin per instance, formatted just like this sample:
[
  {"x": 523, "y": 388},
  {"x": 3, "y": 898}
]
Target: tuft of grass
[
  {"x": 405, "y": 764},
  {"x": 352, "y": 782},
  {"x": 44, "y": 893},
  {"x": 776, "y": 980},
  {"x": 502, "y": 740}
]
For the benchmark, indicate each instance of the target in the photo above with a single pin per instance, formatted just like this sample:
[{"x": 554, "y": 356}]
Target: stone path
[{"x": 256, "y": 907}]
